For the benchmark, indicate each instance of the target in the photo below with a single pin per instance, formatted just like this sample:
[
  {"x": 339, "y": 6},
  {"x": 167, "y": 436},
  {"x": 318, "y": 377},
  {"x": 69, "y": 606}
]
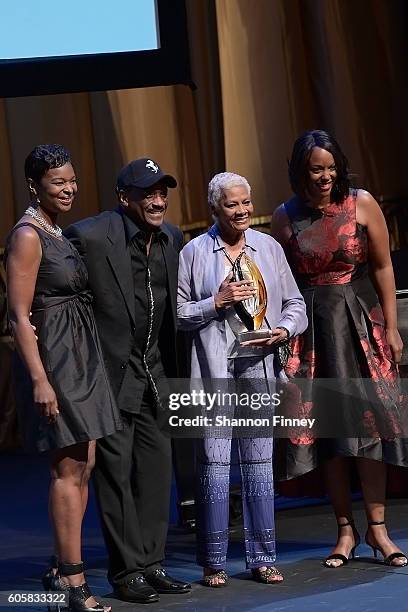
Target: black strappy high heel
[
  {"x": 77, "y": 594},
  {"x": 387, "y": 560},
  {"x": 338, "y": 556}
]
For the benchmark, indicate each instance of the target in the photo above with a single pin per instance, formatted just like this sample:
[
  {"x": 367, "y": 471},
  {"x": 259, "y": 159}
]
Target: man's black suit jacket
[{"x": 101, "y": 241}]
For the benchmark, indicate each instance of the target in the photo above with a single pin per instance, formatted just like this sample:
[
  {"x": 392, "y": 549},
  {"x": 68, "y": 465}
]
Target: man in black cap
[{"x": 132, "y": 261}]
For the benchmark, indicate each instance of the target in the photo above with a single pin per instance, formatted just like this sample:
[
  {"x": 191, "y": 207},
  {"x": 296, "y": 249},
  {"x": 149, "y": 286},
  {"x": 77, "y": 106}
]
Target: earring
[{"x": 34, "y": 195}]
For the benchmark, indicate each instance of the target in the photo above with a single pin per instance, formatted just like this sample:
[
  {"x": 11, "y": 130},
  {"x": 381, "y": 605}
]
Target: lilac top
[{"x": 201, "y": 272}]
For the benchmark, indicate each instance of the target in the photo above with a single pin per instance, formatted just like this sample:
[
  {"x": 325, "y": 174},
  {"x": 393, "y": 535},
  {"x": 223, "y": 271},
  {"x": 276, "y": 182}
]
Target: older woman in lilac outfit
[{"x": 206, "y": 298}]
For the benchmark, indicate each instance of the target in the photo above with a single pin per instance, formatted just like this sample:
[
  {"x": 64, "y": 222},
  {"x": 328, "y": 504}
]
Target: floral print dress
[{"x": 360, "y": 413}]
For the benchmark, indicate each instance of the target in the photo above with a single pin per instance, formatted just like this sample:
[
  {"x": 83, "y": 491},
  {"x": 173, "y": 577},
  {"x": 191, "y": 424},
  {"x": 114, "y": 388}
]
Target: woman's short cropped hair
[
  {"x": 222, "y": 181},
  {"x": 44, "y": 157}
]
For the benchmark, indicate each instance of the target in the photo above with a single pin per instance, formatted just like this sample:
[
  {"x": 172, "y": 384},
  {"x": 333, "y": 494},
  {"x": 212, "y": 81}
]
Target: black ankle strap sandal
[
  {"x": 387, "y": 560},
  {"x": 338, "y": 556},
  {"x": 77, "y": 594}
]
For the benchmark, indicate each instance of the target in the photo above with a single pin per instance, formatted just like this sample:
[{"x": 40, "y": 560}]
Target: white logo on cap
[{"x": 152, "y": 166}]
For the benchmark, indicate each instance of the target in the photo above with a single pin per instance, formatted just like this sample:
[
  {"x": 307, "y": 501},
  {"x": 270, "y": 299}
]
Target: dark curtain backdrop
[{"x": 265, "y": 70}]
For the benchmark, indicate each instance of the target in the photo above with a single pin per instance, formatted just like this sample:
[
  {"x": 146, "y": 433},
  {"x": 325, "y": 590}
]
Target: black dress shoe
[
  {"x": 163, "y": 583},
  {"x": 136, "y": 590}
]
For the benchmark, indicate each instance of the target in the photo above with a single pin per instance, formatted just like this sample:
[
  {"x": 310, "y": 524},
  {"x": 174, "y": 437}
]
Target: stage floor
[{"x": 304, "y": 537}]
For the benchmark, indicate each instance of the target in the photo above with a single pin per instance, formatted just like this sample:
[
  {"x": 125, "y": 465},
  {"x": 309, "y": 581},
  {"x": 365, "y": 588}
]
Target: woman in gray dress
[{"x": 63, "y": 396}]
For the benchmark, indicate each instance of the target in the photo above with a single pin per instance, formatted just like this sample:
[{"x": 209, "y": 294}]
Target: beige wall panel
[{"x": 258, "y": 121}]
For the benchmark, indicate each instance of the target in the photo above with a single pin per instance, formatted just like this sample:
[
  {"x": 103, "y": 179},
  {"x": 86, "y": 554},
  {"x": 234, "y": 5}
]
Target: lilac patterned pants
[{"x": 212, "y": 495}]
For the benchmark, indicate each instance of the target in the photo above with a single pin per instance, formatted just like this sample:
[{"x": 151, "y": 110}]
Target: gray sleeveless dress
[{"x": 70, "y": 352}]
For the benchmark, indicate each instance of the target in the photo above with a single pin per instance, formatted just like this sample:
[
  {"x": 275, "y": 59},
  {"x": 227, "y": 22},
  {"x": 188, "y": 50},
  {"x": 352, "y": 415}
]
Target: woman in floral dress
[{"x": 333, "y": 236}]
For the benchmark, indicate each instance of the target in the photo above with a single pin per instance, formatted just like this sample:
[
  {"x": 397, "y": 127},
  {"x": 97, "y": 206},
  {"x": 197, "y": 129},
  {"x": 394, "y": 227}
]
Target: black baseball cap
[{"x": 143, "y": 173}]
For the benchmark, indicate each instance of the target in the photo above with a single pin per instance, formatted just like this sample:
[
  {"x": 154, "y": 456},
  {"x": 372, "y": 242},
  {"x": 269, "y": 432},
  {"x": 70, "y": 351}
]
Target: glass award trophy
[{"x": 251, "y": 311}]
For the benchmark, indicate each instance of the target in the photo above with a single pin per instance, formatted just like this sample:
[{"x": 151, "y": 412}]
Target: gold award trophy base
[{"x": 258, "y": 334}]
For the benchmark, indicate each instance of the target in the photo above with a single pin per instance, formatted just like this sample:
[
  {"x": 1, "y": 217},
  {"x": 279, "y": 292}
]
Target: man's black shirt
[{"x": 150, "y": 290}]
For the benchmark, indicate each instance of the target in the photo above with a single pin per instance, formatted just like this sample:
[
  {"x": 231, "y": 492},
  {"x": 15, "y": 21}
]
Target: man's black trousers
[{"x": 132, "y": 478}]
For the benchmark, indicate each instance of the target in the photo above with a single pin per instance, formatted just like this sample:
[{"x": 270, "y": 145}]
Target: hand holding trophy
[
  {"x": 231, "y": 292},
  {"x": 252, "y": 310}
]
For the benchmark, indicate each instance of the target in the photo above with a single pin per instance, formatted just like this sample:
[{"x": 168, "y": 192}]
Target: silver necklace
[{"x": 55, "y": 230}]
